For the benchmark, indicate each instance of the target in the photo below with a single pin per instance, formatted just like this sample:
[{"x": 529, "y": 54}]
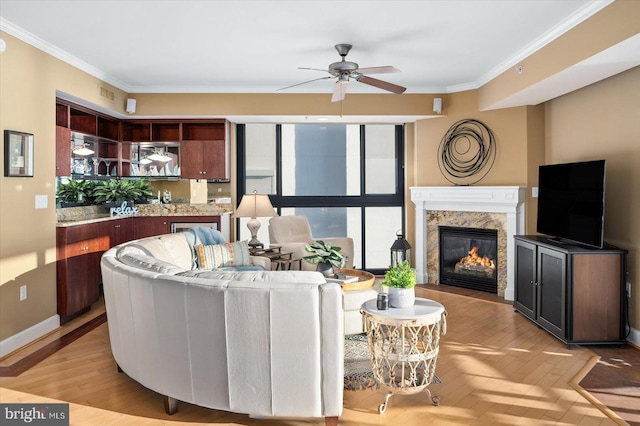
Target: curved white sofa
[{"x": 266, "y": 343}]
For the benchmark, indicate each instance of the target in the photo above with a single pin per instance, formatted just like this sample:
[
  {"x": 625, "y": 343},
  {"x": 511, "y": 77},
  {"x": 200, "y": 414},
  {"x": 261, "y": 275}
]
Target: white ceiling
[{"x": 257, "y": 46}]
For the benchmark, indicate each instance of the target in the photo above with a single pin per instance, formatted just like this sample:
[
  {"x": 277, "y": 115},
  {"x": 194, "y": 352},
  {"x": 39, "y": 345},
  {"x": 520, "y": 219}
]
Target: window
[{"x": 346, "y": 179}]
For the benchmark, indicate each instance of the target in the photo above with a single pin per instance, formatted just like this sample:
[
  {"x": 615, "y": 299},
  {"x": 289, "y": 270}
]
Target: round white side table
[{"x": 404, "y": 345}]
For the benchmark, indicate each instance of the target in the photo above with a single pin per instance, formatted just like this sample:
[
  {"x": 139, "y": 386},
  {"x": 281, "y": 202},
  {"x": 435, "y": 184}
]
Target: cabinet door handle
[{"x": 116, "y": 226}]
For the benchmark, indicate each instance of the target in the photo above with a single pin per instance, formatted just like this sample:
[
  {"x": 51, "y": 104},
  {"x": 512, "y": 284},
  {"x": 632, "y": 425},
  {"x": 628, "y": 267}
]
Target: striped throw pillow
[{"x": 221, "y": 255}]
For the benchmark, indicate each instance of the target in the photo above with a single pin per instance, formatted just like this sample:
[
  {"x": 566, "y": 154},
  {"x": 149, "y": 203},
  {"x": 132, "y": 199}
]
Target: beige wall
[
  {"x": 28, "y": 82},
  {"x": 603, "y": 121}
]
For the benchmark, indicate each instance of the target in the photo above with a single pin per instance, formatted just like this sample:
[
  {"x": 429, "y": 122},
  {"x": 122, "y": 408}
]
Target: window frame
[{"x": 362, "y": 201}]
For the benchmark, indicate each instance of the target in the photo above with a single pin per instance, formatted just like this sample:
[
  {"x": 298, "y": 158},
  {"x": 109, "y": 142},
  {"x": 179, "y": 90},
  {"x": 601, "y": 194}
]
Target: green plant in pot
[
  {"x": 325, "y": 255},
  {"x": 145, "y": 191},
  {"x": 74, "y": 193},
  {"x": 114, "y": 192},
  {"x": 400, "y": 281}
]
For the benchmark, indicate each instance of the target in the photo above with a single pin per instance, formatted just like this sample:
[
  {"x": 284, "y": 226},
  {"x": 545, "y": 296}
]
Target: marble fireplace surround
[{"x": 494, "y": 207}]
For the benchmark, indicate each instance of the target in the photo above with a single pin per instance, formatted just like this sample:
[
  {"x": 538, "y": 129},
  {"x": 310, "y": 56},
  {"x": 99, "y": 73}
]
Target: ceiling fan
[{"x": 345, "y": 70}]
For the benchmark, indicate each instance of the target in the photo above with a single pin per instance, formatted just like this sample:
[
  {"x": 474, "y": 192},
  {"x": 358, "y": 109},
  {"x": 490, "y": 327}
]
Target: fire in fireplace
[{"x": 468, "y": 257}]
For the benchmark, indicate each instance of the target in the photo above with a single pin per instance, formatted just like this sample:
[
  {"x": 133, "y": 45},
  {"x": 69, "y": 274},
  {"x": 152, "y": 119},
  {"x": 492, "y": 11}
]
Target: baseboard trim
[{"x": 29, "y": 335}]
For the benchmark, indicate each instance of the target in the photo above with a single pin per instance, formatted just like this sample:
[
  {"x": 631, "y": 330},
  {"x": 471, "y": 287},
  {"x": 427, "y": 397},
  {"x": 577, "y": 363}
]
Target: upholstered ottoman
[{"x": 352, "y": 301}]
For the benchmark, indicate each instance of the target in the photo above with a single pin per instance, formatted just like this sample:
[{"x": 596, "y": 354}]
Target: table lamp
[{"x": 253, "y": 206}]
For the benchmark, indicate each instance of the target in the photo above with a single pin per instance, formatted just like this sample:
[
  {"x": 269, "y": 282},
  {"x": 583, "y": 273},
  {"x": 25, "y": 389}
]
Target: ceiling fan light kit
[{"x": 345, "y": 70}]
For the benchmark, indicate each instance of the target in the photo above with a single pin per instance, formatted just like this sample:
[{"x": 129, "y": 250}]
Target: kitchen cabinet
[
  {"x": 198, "y": 149},
  {"x": 204, "y": 150},
  {"x": 78, "y": 126},
  {"x": 203, "y": 160},
  {"x": 576, "y": 293},
  {"x": 63, "y": 151},
  {"x": 120, "y": 231},
  {"x": 145, "y": 226},
  {"x": 79, "y": 249}
]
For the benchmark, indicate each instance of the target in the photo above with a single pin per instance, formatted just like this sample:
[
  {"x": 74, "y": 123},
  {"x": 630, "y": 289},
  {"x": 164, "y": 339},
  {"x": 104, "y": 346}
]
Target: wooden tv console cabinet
[{"x": 574, "y": 292}]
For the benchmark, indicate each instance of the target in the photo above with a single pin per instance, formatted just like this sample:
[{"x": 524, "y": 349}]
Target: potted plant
[
  {"x": 325, "y": 255},
  {"x": 144, "y": 191},
  {"x": 113, "y": 192},
  {"x": 74, "y": 193},
  {"x": 400, "y": 280}
]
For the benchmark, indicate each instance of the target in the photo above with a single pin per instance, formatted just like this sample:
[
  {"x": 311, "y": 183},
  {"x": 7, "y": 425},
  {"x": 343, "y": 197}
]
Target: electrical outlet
[
  {"x": 23, "y": 292},
  {"x": 629, "y": 290}
]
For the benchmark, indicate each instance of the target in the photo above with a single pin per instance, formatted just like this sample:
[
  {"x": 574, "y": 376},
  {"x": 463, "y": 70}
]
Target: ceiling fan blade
[
  {"x": 313, "y": 69},
  {"x": 381, "y": 84},
  {"x": 305, "y": 82},
  {"x": 377, "y": 70},
  {"x": 339, "y": 91}
]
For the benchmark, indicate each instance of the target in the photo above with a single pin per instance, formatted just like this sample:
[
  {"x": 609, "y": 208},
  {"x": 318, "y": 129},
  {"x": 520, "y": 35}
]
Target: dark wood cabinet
[
  {"x": 203, "y": 159},
  {"x": 201, "y": 147},
  {"x": 79, "y": 249},
  {"x": 575, "y": 293},
  {"x": 63, "y": 151},
  {"x": 120, "y": 231},
  {"x": 150, "y": 226}
]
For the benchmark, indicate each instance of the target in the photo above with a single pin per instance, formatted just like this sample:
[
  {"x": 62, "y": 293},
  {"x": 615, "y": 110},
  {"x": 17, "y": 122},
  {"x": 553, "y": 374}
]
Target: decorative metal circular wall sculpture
[{"x": 467, "y": 152}]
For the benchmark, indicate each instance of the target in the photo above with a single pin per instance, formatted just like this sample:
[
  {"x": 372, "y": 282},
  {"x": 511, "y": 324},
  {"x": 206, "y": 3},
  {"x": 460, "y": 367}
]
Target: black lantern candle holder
[{"x": 400, "y": 250}]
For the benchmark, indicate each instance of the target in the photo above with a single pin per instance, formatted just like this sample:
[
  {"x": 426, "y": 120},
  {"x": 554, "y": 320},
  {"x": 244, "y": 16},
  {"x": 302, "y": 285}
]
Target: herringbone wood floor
[{"x": 496, "y": 367}]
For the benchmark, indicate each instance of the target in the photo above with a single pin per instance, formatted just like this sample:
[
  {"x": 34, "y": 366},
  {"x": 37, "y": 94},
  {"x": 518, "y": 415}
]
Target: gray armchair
[{"x": 293, "y": 233}]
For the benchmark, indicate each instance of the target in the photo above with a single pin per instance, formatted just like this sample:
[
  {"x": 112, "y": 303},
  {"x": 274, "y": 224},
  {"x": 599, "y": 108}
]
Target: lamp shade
[
  {"x": 255, "y": 205},
  {"x": 82, "y": 150}
]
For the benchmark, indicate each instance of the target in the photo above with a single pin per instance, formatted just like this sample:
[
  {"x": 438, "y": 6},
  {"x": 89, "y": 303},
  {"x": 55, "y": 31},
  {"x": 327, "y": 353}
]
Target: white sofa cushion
[
  {"x": 150, "y": 263},
  {"x": 171, "y": 248}
]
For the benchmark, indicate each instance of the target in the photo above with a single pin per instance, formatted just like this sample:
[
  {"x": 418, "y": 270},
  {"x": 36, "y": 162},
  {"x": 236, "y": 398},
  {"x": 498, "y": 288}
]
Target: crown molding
[
  {"x": 58, "y": 53},
  {"x": 578, "y": 17}
]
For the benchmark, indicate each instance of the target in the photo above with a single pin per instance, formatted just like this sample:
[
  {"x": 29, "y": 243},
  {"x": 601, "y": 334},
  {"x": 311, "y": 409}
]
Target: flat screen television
[{"x": 571, "y": 202}]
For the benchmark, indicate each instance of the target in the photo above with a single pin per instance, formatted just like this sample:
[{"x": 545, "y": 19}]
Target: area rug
[{"x": 357, "y": 363}]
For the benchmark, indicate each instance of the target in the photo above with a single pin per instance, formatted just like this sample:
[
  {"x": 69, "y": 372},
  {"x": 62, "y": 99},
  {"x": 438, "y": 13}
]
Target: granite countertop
[{"x": 89, "y": 214}]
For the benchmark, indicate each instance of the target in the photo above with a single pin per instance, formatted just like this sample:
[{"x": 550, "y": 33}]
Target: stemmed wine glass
[
  {"x": 96, "y": 164},
  {"x": 108, "y": 163}
]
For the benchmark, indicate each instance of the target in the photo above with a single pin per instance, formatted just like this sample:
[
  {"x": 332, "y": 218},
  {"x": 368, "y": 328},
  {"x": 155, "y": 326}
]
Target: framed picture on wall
[{"x": 18, "y": 154}]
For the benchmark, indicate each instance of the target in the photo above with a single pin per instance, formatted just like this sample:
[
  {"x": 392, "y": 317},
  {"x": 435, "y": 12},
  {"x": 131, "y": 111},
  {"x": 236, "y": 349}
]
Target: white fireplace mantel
[{"x": 490, "y": 199}]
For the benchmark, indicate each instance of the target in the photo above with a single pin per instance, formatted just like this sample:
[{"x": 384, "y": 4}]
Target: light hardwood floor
[{"x": 496, "y": 368}]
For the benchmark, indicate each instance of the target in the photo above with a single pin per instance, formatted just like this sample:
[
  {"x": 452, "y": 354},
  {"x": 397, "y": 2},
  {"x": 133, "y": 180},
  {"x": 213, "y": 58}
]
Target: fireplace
[
  {"x": 486, "y": 207},
  {"x": 469, "y": 257}
]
